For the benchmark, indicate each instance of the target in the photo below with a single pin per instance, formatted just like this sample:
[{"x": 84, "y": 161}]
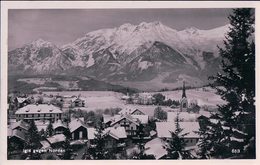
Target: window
[{"x": 80, "y": 134}]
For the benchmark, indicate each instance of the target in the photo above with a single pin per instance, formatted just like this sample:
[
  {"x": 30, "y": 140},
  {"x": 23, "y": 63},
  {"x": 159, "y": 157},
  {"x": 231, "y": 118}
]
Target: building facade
[{"x": 39, "y": 112}]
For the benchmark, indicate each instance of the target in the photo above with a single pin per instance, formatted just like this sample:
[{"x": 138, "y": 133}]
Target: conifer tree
[
  {"x": 207, "y": 134},
  {"x": 42, "y": 134},
  {"x": 68, "y": 150},
  {"x": 33, "y": 136},
  {"x": 67, "y": 147},
  {"x": 33, "y": 140},
  {"x": 49, "y": 130},
  {"x": 236, "y": 85},
  {"x": 99, "y": 152},
  {"x": 176, "y": 148}
]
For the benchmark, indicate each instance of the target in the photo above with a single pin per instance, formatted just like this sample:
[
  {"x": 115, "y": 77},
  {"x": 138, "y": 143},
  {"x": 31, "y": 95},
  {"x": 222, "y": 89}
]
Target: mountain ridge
[{"x": 107, "y": 54}]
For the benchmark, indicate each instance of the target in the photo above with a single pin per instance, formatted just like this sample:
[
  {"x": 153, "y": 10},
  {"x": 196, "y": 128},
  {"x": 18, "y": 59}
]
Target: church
[
  {"x": 184, "y": 100},
  {"x": 193, "y": 107}
]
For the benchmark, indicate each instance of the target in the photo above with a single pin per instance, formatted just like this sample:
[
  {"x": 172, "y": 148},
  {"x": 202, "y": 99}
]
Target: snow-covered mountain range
[{"x": 141, "y": 52}]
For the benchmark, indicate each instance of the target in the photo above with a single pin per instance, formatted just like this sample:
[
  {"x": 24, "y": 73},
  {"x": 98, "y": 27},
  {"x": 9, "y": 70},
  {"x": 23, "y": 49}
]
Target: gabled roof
[
  {"x": 21, "y": 124},
  {"x": 164, "y": 129},
  {"x": 139, "y": 111},
  {"x": 21, "y": 99},
  {"x": 57, "y": 138},
  {"x": 156, "y": 147},
  {"x": 152, "y": 133},
  {"x": 59, "y": 124},
  {"x": 142, "y": 118},
  {"x": 116, "y": 132},
  {"x": 118, "y": 118},
  {"x": 107, "y": 118},
  {"x": 129, "y": 110},
  {"x": 19, "y": 134},
  {"x": 126, "y": 111},
  {"x": 146, "y": 109},
  {"x": 41, "y": 125},
  {"x": 38, "y": 109},
  {"x": 75, "y": 124},
  {"x": 45, "y": 144}
]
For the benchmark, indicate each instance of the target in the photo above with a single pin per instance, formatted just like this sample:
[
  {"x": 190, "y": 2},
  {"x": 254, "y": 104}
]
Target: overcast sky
[{"x": 62, "y": 26}]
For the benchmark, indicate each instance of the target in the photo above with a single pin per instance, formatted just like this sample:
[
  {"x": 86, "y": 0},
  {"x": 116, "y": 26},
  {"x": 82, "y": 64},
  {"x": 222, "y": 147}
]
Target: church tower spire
[
  {"x": 183, "y": 90},
  {"x": 184, "y": 100}
]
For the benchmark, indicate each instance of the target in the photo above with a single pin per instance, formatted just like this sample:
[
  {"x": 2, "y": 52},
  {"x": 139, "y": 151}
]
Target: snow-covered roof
[
  {"x": 38, "y": 109},
  {"x": 56, "y": 138},
  {"x": 21, "y": 99},
  {"x": 75, "y": 124},
  {"x": 116, "y": 132},
  {"x": 156, "y": 147},
  {"x": 41, "y": 125},
  {"x": 152, "y": 133},
  {"x": 127, "y": 117},
  {"x": 91, "y": 133},
  {"x": 107, "y": 118},
  {"x": 125, "y": 97},
  {"x": 45, "y": 144},
  {"x": 21, "y": 124},
  {"x": 142, "y": 118},
  {"x": 214, "y": 121},
  {"x": 205, "y": 113},
  {"x": 185, "y": 116},
  {"x": 126, "y": 110},
  {"x": 58, "y": 124},
  {"x": 164, "y": 129},
  {"x": 78, "y": 142}
]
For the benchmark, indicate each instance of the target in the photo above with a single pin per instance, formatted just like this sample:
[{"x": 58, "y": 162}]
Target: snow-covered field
[
  {"x": 107, "y": 99},
  {"x": 95, "y": 99},
  {"x": 203, "y": 97}
]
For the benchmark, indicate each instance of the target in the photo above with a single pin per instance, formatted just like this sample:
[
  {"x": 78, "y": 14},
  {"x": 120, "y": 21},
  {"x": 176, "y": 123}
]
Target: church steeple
[
  {"x": 183, "y": 90},
  {"x": 184, "y": 100}
]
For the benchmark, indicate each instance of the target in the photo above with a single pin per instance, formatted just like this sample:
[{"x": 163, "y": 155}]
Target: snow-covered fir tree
[
  {"x": 204, "y": 142},
  {"x": 176, "y": 145},
  {"x": 236, "y": 85},
  {"x": 99, "y": 151}
]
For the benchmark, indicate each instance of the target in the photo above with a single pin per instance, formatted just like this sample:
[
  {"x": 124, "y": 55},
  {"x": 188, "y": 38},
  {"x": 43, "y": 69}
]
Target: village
[
  {"x": 161, "y": 83},
  {"x": 143, "y": 124}
]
